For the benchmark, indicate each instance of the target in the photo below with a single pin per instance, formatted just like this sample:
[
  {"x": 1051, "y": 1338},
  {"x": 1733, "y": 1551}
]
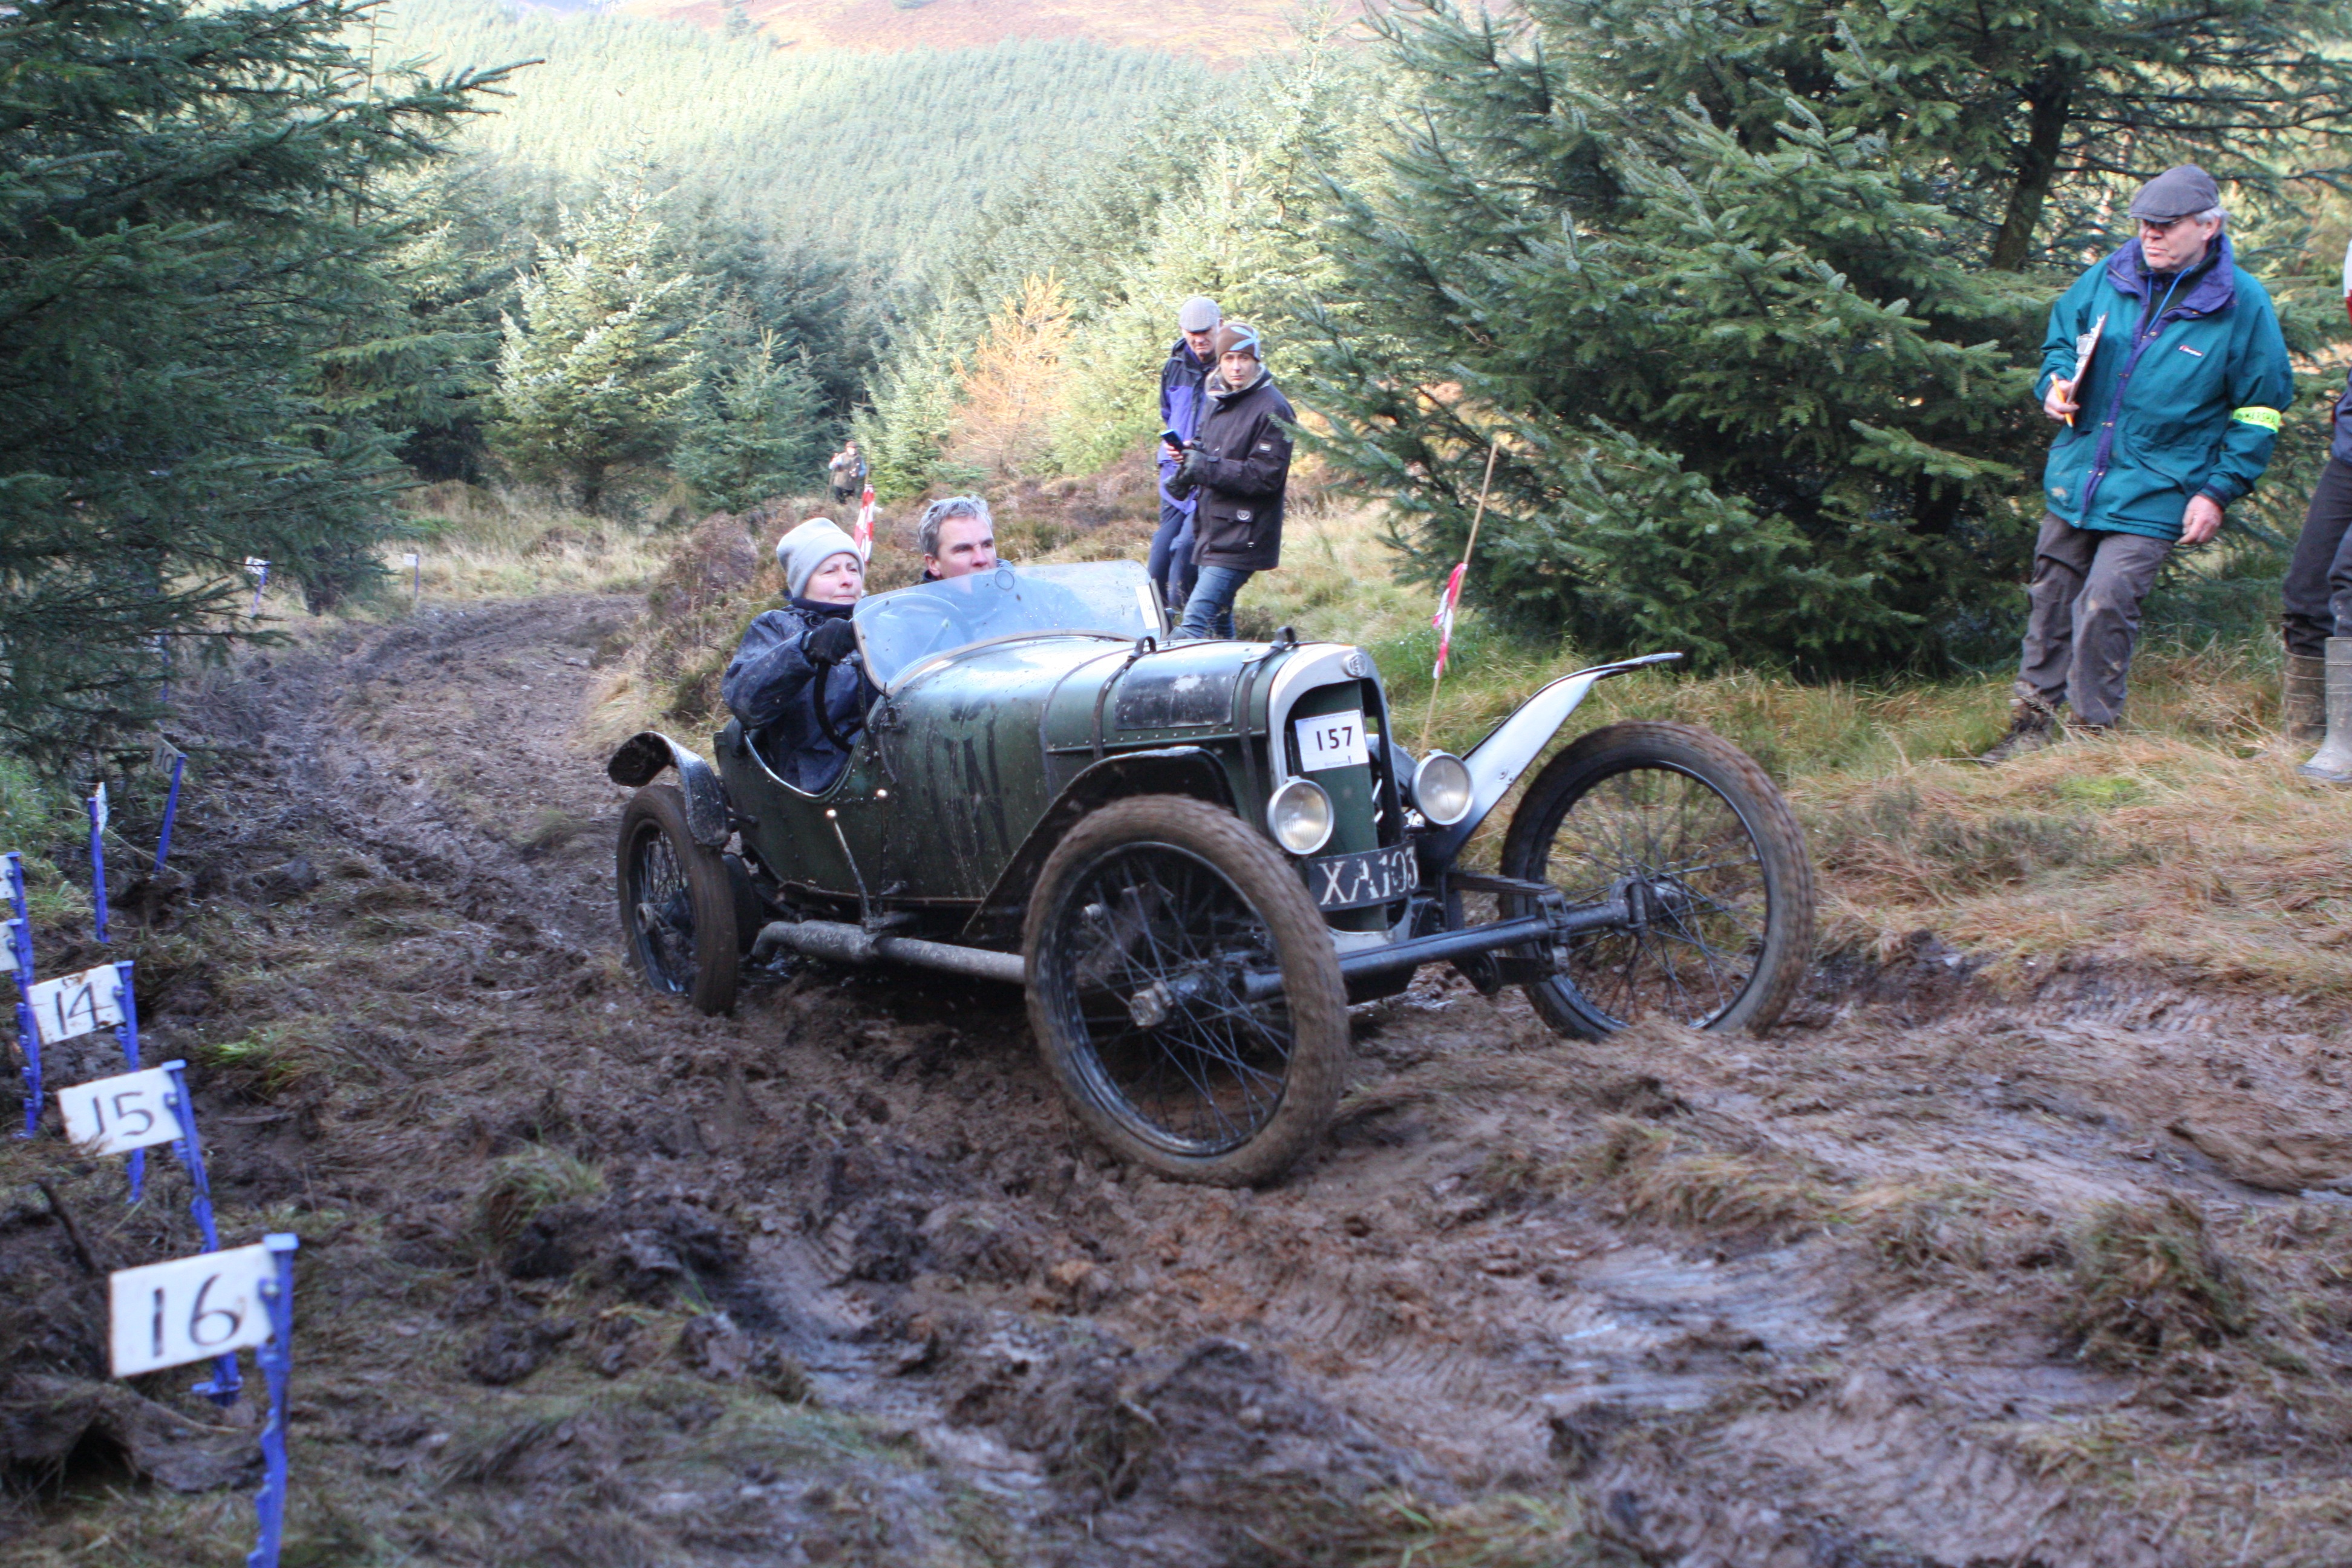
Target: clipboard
[{"x": 2084, "y": 346}]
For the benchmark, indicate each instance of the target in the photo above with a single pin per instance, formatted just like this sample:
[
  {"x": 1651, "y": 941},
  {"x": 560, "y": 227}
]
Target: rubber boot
[
  {"x": 2303, "y": 700},
  {"x": 2332, "y": 764}
]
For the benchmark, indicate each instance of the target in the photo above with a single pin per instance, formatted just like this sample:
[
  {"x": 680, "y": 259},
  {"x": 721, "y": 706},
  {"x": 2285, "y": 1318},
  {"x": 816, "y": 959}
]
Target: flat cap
[
  {"x": 2177, "y": 191},
  {"x": 1198, "y": 314}
]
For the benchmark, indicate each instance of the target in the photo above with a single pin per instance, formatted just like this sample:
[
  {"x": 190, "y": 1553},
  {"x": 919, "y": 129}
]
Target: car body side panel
[{"x": 963, "y": 747}]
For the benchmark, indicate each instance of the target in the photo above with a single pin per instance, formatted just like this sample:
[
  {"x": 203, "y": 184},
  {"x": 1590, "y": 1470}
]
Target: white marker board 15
[{"x": 116, "y": 1115}]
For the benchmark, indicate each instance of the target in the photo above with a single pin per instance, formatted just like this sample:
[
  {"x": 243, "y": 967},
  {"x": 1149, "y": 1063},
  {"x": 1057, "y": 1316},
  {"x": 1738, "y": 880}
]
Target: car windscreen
[{"x": 900, "y": 629}]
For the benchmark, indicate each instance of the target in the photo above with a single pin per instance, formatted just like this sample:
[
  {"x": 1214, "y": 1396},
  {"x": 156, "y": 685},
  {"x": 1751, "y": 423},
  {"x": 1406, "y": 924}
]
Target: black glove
[
  {"x": 830, "y": 641},
  {"x": 1191, "y": 474}
]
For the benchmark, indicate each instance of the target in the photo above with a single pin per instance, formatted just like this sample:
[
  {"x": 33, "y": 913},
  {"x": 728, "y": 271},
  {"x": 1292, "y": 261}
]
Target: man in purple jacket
[{"x": 1190, "y": 360}]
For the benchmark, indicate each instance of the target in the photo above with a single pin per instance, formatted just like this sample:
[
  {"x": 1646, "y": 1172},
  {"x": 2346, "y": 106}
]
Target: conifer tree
[
  {"x": 1758, "y": 396},
  {"x": 1011, "y": 388},
  {"x": 204, "y": 353},
  {"x": 596, "y": 368},
  {"x": 757, "y": 431}
]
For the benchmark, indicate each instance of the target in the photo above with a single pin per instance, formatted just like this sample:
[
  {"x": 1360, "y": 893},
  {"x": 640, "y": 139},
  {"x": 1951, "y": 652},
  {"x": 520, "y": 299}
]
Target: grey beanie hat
[
  {"x": 2180, "y": 191},
  {"x": 1198, "y": 314},
  {"x": 808, "y": 547}
]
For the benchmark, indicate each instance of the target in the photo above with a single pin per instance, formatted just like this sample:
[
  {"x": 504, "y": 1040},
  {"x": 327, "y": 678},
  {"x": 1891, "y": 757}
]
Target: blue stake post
[
  {"x": 276, "y": 1359},
  {"x": 223, "y": 1386},
  {"x": 127, "y": 1032},
  {"x": 98, "y": 859},
  {"x": 171, "y": 810},
  {"x": 29, "y": 1031}
]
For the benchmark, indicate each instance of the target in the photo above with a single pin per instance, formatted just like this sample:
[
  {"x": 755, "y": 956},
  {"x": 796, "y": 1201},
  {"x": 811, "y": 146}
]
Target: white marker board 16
[
  {"x": 116, "y": 1115},
  {"x": 191, "y": 1309}
]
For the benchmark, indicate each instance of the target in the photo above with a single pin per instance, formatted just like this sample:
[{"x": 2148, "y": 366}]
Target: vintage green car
[{"x": 1196, "y": 855}]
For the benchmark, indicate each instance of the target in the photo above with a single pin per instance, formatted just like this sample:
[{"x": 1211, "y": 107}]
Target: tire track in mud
[{"x": 1664, "y": 1271}]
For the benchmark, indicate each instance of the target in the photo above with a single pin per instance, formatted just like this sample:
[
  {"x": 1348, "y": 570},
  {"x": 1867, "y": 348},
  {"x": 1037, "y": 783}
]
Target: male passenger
[
  {"x": 957, "y": 537},
  {"x": 2171, "y": 422}
]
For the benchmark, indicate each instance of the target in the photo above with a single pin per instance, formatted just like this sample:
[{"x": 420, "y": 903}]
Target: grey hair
[
  {"x": 945, "y": 510},
  {"x": 2215, "y": 214}
]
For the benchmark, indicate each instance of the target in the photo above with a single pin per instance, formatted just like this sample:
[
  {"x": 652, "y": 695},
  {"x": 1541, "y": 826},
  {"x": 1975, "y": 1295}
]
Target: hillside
[
  {"x": 1221, "y": 31},
  {"x": 863, "y": 155}
]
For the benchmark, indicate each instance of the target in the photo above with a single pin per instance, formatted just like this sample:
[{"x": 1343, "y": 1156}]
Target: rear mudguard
[
  {"x": 1497, "y": 762},
  {"x": 640, "y": 760}
]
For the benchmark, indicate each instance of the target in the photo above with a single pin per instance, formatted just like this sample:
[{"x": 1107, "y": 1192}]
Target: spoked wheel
[
  {"x": 1143, "y": 925},
  {"x": 1702, "y": 849},
  {"x": 677, "y": 904}
]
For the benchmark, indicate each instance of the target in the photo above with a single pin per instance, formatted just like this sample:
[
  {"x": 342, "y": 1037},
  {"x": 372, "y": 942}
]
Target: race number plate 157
[
  {"x": 167, "y": 1314},
  {"x": 1332, "y": 741}
]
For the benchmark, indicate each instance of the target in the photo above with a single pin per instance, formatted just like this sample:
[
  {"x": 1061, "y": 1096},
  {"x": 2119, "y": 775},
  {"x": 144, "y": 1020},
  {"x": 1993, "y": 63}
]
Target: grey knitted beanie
[{"x": 808, "y": 547}]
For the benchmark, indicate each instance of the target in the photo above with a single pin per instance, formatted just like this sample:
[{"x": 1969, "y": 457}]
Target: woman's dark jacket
[
  {"x": 1244, "y": 443},
  {"x": 767, "y": 687}
]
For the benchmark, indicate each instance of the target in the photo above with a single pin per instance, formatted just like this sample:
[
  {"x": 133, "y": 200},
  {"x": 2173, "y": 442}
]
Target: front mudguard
[
  {"x": 642, "y": 759},
  {"x": 1497, "y": 762}
]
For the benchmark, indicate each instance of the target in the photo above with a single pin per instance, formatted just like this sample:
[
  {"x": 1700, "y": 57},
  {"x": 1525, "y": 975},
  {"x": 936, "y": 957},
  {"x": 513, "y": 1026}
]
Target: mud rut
[{"x": 1520, "y": 1264}]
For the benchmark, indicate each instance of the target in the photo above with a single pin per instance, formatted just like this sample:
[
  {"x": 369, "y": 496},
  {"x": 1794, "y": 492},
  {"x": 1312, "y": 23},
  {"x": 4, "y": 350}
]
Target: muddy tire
[
  {"x": 1721, "y": 870},
  {"x": 677, "y": 903},
  {"x": 1140, "y": 927}
]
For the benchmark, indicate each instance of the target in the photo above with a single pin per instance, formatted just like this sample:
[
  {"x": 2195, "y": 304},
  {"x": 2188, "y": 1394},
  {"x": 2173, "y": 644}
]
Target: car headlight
[
  {"x": 1440, "y": 788},
  {"x": 1300, "y": 816}
]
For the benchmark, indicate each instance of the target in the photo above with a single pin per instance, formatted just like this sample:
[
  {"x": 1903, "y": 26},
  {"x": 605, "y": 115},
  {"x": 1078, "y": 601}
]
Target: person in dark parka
[
  {"x": 1238, "y": 466},
  {"x": 767, "y": 686}
]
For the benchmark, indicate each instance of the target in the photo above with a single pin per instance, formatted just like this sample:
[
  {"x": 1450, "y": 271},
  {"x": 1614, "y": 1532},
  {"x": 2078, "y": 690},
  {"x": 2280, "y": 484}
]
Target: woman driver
[{"x": 785, "y": 651}]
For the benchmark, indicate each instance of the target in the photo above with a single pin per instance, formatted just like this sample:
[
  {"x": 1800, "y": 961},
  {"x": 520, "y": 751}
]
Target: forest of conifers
[{"x": 1748, "y": 296}]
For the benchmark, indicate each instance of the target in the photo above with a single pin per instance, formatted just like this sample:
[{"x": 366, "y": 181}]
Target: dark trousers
[
  {"x": 2318, "y": 590},
  {"x": 1171, "y": 567},
  {"x": 2084, "y": 616}
]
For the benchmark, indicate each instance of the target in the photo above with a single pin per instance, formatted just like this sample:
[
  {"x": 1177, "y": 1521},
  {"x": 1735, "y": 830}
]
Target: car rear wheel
[
  {"x": 1143, "y": 924},
  {"x": 1685, "y": 826},
  {"x": 677, "y": 903}
]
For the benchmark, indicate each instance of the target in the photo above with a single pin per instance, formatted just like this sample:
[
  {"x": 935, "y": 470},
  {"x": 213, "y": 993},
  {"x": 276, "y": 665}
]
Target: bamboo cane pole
[{"x": 1437, "y": 677}]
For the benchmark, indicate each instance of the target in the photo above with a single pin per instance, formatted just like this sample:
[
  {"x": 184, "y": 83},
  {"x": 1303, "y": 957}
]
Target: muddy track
[{"x": 1811, "y": 1299}]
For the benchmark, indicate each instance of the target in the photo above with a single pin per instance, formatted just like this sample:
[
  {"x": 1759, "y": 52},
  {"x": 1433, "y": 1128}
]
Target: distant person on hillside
[
  {"x": 1190, "y": 359},
  {"x": 2318, "y": 703},
  {"x": 1237, "y": 467},
  {"x": 957, "y": 537},
  {"x": 785, "y": 651},
  {"x": 848, "y": 471},
  {"x": 2171, "y": 420}
]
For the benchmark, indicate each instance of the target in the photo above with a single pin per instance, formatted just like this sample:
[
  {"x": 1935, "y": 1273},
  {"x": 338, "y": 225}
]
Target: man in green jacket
[{"x": 2169, "y": 423}]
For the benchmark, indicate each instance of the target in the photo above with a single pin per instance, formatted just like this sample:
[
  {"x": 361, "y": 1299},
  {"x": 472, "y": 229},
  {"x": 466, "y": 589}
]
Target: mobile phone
[{"x": 1170, "y": 438}]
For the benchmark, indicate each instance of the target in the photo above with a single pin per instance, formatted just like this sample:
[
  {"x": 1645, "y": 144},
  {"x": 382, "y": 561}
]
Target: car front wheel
[
  {"x": 677, "y": 903},
  {"x": 1143, "y": 928}
]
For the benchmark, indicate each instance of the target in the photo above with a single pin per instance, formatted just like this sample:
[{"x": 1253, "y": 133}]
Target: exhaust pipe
[{"x": 841, "y": 942}]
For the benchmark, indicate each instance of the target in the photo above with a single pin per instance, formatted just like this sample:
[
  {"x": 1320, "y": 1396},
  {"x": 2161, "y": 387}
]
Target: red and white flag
[
  {"x": 863, "y": 534},
  {"x": 1443, "y": 619}
]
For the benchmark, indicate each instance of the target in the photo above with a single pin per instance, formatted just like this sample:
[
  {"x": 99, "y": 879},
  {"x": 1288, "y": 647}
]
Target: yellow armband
[{"x": 2268, "y": 418}]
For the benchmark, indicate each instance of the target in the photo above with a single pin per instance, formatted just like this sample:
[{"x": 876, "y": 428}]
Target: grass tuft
[
  {"x": 2150, "y": 1283},
  {"x": 522, "y": 1186}
]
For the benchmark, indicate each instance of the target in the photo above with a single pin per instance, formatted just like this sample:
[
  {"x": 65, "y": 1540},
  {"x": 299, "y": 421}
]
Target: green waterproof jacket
[{"x": 2183, "y": 397}]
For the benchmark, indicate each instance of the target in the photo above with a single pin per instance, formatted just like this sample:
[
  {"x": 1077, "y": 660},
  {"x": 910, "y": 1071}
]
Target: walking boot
[
  {"x": 2032, "y": 724},
  {"x": 2332, "y": 764},
  {"x": 2303, "y": 700}
]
